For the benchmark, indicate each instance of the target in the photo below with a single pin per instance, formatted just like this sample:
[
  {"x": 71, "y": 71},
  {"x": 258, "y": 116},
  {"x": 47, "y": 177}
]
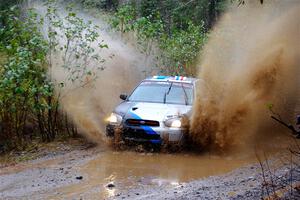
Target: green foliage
[
  {"x": 22, "y": 77},
  {"x": 76, "y": 41},
  {"x": 102, "y": 4},
  {"x": 178, "y": 28},
  {"x": 179, "y": 41},
  {"x": 23, "y": 72},
  {"x": 182, "y": 48},
  {"x": 29, "y": 107},
  {"x": 148, "y": 8},
  {"x": 124, "y": 18},
  {"x": 148, "y": 32},
  {"x": 147, "y": 29},
  {"x": 5, "y": 4}
]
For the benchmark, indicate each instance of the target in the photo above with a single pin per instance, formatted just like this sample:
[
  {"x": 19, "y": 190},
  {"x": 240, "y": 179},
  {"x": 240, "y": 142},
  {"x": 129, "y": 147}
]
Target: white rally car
[{"x": 154, "y": 111}]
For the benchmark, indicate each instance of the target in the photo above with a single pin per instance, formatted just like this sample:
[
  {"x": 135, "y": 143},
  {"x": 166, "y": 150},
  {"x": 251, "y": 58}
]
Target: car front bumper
[{"x": 142, "y": 134}]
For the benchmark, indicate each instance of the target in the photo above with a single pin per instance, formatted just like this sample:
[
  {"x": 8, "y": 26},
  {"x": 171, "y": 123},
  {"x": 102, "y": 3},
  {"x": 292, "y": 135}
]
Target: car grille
[
  {"x": 139, "y": 134},
  {"x": 140, "y": 122}
]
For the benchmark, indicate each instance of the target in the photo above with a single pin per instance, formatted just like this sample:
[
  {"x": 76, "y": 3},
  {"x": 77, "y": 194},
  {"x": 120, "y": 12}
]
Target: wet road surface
[{"x": 88, "y": 173}]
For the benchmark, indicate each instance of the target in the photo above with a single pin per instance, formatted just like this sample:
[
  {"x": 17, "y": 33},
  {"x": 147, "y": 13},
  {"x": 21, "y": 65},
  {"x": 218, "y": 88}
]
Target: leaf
[
  {"x": 72, "y": 14},
  {"x": 102, "y": 46},
  {"x": 19, "y": 90},
  {"x": 269, "y": 106}
]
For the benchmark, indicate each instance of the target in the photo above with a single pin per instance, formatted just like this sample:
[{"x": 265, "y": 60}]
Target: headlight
[
  {"x": 174, "y": 123},
  {"x": 115, "y": 119}
]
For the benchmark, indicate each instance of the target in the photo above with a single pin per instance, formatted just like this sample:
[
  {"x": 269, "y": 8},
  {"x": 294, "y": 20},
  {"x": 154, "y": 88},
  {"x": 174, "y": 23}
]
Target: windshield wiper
[
  {"x": 166, "y": 93},
  {"x": 185, "y": 95}
]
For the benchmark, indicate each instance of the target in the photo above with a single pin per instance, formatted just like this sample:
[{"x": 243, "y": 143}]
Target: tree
[
  {"x": 169, "y": 25},
  {"x": 27, "y": 91}
]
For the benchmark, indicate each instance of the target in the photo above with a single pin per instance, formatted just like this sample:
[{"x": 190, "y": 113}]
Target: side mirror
[{"x": 123, "y": 96}]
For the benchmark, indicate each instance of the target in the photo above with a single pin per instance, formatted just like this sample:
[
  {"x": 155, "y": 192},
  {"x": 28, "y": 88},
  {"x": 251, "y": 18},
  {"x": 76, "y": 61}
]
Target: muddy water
[
  {"x": 242, "y": 76},
  {"x": 131, "y": 169}
]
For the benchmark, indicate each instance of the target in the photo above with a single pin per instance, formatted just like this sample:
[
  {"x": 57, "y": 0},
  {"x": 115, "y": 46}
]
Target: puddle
[
  {"x": 127, "y": 169},
  {"x": 130, "y": 169}
]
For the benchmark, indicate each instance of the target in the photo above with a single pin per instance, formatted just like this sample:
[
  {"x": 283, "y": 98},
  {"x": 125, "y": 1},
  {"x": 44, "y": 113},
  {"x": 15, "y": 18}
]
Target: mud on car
[{"x": 155, "y": 111}]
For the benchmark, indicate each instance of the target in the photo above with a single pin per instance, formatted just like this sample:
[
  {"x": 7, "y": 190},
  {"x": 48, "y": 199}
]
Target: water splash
[
  {"x": 252, "y": 59},
  {"x": 88, "y": 106}
]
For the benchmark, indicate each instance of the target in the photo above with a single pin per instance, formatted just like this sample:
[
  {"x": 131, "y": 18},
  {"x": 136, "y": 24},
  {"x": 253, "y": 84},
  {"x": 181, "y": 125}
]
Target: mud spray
[
  {"x": 252, "y": 59},
  {"x": 90, "y": 105}
]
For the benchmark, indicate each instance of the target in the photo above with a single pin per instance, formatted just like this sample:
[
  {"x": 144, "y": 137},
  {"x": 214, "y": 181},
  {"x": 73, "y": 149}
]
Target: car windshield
[{"x": 163, "y": 92}]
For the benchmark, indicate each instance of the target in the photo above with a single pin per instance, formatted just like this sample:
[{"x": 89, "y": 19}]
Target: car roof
[{"x": 180, "y": 79}]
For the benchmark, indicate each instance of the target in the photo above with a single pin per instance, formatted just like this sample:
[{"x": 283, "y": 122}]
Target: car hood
[{"x": 151, "y": 111}]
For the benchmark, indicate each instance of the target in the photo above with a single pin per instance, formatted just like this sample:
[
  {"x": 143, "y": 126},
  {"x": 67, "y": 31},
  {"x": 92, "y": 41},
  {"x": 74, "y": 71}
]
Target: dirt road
[{"x": 101, "y": 173}]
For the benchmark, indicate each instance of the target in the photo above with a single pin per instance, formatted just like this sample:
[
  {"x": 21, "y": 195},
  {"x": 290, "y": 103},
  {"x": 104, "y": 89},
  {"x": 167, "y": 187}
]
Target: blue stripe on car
[
  {"x": 155, "y": 141},
  {"x": 147, "y": 129}
]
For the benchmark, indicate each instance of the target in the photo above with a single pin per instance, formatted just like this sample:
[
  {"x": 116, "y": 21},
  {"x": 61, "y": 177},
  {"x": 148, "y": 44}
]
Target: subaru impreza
[{"x": 155, "y": 112}]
